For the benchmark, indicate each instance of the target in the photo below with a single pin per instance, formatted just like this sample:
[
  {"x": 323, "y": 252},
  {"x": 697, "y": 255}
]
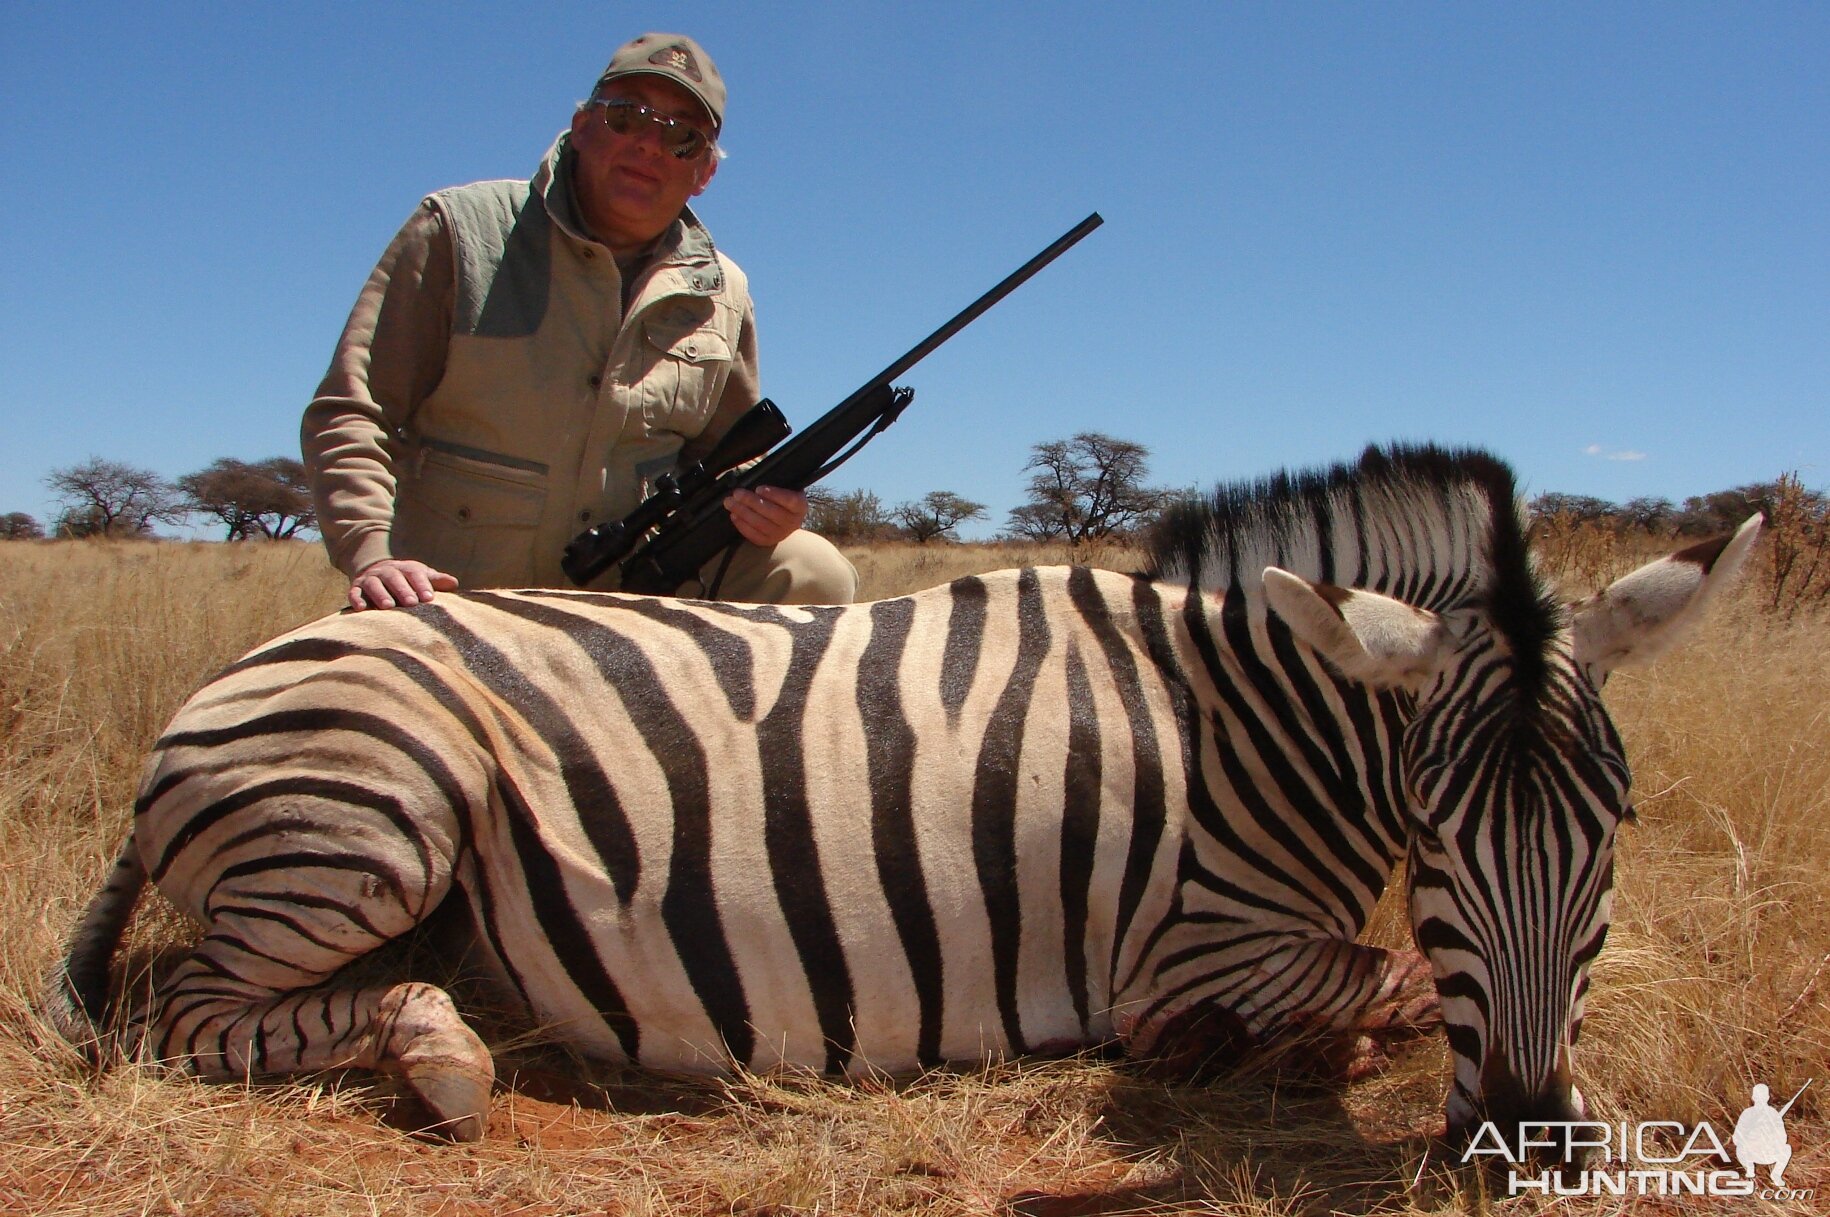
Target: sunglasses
[{"x": 627, "y": 117}]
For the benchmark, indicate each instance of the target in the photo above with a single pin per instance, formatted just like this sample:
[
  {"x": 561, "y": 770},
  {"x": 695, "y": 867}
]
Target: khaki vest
[{"x": 555, "y": 411}]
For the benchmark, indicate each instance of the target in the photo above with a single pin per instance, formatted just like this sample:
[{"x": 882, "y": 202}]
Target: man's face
[{"x": 631, "y": 186}]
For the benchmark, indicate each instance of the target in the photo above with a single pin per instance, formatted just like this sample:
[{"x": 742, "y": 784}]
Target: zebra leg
[
  {"x": 250, "y": 999},
  {"x": 1403, "y": 1004},
  {"x": 1323, "y": 1004},
  {"x": 227, "y": 1030},
  {"x": 1405, "y": 1001},
  {"x": 1366, "y": 999}
]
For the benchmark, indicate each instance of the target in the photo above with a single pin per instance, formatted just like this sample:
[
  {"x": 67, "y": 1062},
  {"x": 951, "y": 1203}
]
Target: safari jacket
[{"x": 489, "y": 397}]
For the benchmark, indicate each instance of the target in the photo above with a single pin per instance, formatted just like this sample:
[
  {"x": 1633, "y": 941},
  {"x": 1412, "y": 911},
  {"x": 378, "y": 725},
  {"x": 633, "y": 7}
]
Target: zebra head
[{"x": 1516, "y": 783}]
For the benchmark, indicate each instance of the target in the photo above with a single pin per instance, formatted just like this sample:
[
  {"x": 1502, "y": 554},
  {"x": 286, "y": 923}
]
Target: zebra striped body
[
  {"x": 862, "y": 843},
  {"x": 1027, "y": 811}
]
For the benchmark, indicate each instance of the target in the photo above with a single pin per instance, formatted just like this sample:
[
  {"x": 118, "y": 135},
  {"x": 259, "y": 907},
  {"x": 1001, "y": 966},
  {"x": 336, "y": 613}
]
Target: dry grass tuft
[
  {"x": 1797, "y": 567},
  {"x": 1715, "y": 977}
]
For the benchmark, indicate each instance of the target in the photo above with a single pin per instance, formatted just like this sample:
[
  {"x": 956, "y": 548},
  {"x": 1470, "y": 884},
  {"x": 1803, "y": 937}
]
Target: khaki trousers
[{"x": 804, "y": 569}]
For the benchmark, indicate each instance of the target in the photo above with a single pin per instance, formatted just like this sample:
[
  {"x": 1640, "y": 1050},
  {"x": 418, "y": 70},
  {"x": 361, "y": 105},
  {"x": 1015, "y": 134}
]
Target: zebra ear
[
  {"x": 1639, "y": 616},
  {"x": 1367, "y": 637}
]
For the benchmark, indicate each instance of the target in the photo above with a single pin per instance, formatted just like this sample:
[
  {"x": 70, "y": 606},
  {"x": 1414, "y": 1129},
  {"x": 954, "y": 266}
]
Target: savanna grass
[{"x": 1715, "y": 976}]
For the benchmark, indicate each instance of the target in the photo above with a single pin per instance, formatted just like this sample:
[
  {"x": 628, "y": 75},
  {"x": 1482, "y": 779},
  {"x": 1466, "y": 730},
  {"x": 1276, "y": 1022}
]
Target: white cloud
[{"x": 1624, "y": 454}]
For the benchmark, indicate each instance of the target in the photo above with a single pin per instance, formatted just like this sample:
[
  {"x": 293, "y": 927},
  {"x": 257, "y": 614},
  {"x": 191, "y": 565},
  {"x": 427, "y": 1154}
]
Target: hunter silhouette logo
[{"x": 1760, "y": 1136}]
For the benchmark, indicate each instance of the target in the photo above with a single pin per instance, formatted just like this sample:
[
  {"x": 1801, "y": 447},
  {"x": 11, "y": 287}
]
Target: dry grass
[
  {"x": 1798, "y": 548},
  {"x": 897, "y": 567},
  {"x": 1715, "y": 977}
]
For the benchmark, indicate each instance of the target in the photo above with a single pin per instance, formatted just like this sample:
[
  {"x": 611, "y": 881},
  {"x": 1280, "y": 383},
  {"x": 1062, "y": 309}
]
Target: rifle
[{"x": 683, "y": 525}]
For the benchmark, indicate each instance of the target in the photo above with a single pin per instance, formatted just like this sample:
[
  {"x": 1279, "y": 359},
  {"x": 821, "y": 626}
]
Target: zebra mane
[{"x": 1438, "y": 528}]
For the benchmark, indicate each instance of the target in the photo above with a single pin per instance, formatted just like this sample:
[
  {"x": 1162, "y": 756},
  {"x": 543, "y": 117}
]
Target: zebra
[{"x": 1020, "y": 813}]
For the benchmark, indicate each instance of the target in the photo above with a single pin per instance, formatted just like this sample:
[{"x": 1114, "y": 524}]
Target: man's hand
[
  {"x": 397, "y": 581},
  {"x": 766, "y": 515}
]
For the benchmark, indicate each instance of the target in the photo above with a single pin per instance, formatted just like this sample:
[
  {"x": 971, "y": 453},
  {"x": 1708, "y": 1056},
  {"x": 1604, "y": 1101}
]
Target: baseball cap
[{"x": 679, "y": 59}]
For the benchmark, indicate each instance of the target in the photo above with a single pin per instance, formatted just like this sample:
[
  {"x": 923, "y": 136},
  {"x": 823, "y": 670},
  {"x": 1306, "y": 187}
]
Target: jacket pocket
[
  {"x": 470, "y": 515},
  {"x": 689, "y": 371}
]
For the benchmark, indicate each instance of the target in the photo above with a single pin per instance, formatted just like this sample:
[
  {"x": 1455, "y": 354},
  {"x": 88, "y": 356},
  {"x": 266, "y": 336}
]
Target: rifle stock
[{"x": 683, "y": 525}]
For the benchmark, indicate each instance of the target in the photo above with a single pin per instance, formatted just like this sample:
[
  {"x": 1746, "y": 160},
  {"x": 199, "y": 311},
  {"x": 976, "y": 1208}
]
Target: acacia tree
[
  {"x": 1723, "y": 510},
  {"x": 938, "y": 513},
  {"x": 267, "y": 498},
  {"x": 18, "y": 526},
  {"x": 1573, "y": 508},
  {"x": 1648, "y": 513},
  {"x": 856, "y": 516},
  {"x": 110, "y": 498},
  {"x": 1086, "y": 487}
]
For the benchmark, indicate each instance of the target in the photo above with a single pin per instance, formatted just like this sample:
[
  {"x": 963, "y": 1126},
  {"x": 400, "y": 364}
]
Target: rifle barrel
[
  {"x": 694, "y": 531},
  {"x": 971, "y": 312}
]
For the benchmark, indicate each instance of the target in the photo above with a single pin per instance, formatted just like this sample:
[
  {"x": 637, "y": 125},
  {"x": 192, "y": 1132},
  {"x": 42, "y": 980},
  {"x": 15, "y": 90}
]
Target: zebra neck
[{"x": 1428, "y": 549}]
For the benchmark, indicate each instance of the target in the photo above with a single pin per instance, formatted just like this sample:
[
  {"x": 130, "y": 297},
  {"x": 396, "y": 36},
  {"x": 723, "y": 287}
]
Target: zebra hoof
[
  {"x": 453, "y": 1102},
  {"x": 438, "y": 1062}
]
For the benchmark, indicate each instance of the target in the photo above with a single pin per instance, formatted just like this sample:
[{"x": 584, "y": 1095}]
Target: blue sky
[{"x": 1594, "y": 238}]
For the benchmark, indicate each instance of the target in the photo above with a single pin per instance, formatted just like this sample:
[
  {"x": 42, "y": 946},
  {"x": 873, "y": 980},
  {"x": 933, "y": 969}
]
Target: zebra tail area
[{"x": 77, "y": 1002}]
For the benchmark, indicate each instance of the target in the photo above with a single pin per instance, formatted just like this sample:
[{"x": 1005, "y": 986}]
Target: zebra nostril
[
  {"x": 1542, "y": 1127},
  {"x": 1537, "y": 1117}
]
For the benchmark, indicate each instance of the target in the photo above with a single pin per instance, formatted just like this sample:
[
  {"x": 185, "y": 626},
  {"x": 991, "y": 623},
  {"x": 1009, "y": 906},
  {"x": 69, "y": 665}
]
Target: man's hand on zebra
[{"x": 397, "y": 581}]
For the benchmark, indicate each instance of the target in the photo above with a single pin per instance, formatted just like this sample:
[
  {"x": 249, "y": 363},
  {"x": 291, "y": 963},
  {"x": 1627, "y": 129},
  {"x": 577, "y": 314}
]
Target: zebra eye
[
  {"x": 1630, "y": 815},
  {"x": 1428, "y": 845}
]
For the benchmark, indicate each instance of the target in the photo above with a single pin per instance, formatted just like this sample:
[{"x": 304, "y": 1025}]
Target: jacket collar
[{"x": 686, "y": 261}]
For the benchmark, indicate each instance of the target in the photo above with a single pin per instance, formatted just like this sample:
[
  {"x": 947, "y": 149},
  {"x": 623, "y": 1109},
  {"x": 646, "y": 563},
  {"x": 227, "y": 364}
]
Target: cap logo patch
[{"x": 677, "y": 59}]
